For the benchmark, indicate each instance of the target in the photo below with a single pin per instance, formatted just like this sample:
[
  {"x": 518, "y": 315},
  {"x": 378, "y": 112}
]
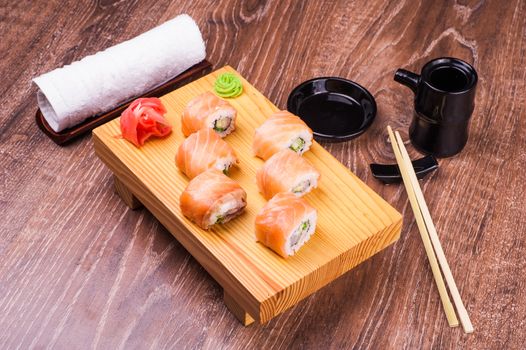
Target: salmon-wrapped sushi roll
[
  {"x": 286, "y": 171},
  {"x": 204, "y": 150},
  {"x": 280, "y": 131},
  {"x": 285, "y": 223},
  {"x": 212, "y": 198},
  {"x": 209, "y": 111}
]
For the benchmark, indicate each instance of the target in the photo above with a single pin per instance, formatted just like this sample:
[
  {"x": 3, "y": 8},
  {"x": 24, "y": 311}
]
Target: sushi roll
[
  {"x": 282, "y": 130},
  {"x": 285, "y": 223},
  {"x": 212, "y": 198},
  {"x": 204, "y": 150},
  {"x": 286, "y": 171},
  {"x": 209, "y": 111}
]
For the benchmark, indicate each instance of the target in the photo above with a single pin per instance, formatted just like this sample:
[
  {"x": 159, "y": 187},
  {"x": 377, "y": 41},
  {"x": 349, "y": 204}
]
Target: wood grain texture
[
  {"x": 78, "y": 269},
  {"x": 236, "y": 309},
  {"x": 126, "y": 195},
  {"x": 353, "y": 222}
]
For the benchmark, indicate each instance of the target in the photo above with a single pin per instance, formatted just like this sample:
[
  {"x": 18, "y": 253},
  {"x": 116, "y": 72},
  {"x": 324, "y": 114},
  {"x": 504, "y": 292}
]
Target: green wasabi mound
[{"x": 228, "y": 85}]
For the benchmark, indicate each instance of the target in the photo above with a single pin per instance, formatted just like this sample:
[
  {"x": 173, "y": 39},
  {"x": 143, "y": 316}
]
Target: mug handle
[{"x": 407, "y": 78}]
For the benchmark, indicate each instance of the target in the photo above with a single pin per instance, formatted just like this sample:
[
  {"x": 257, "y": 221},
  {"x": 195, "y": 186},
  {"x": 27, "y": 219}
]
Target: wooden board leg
[
  {"x": 126, "y": 195},
  {"x": 234, "y": 308}
]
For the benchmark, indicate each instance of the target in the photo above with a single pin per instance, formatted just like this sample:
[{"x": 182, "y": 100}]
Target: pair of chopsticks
[{"x": 429, "y": 237}]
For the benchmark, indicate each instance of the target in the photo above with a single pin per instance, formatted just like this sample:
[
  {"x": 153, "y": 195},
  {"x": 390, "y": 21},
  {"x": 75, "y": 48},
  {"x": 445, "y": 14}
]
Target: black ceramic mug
[{"x": 444, "y": 101}]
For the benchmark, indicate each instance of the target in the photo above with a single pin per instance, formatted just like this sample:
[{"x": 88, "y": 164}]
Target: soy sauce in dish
[
  {"x": 336, "y": 109},
  {"x": 332, "y": 114}
]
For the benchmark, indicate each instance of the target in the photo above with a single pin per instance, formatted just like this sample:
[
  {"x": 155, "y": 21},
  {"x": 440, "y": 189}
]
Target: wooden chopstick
[
  {"x": 461, "y": 309},
  {"x": 442, "y": 291}
]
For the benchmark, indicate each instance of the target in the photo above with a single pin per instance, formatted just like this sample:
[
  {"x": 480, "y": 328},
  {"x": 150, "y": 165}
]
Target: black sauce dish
[{"x": 336, "y": 109}]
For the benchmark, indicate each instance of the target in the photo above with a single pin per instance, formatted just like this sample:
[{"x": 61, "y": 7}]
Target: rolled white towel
[{"x": 97, "y": 83}]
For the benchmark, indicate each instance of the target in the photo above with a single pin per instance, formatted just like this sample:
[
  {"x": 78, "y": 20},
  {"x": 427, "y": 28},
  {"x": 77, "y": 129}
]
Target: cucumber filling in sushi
[
  {"x": 226, "y": 211},
  {"x": 224, "y": 164},
  {"x": 222, "y": 124},
  {"x": 304, "y": 184},
  {"x": 297, "y": 145},
  {"x": 300, "y": 231},
  {"x": 301, "y": 234},
  {"x": 302, "y": 187},
  {"x": 301, "y": 142}
]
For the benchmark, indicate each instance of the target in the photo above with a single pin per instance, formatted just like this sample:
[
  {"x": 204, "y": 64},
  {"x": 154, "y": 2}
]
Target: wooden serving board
[{"x": 354, "y": 223}]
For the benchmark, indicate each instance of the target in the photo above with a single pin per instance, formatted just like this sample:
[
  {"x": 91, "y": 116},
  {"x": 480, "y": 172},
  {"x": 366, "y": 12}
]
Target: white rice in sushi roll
[
  {"x": 222, "y": 121},
  {"x": 282, "y": 130},
  {"x": 287, "y": 171},
  {"x": 285, "y": 223},
  {"x": 301, "y": 233},
  {"x": 299, "y": 143}
]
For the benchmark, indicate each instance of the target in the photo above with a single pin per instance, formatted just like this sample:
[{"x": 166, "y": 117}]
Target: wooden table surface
[{"x": 78, "y": 269}]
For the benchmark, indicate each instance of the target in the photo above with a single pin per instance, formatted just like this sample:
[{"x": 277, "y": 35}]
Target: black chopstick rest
[{"x": 390, "y": 173}]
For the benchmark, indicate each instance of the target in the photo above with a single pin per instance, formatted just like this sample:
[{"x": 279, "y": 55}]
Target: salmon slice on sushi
[
  {"x": 203, "y": 150},
  {"x": 287, "y": 171},
  {"x": 285, "y": 223},
  {"x": 282, "y": 130},
  {"x": 212, "y": 198},
  {"x": 209, "y": 111}
]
